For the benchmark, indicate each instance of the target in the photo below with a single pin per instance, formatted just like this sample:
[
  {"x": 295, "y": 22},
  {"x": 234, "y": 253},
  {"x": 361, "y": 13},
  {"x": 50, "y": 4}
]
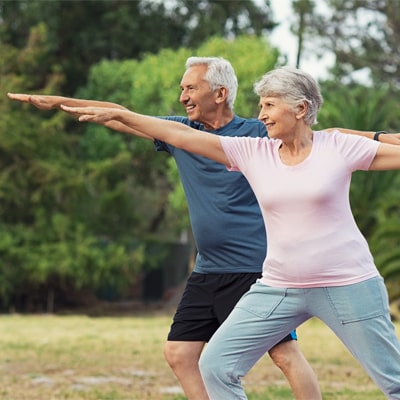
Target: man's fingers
[
  {"x": 19, "y": 97},
  {"x": 38, "y": 101}
]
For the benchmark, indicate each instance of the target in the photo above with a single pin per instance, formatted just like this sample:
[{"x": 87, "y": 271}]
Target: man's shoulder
[
  {"x": 184, "y": 120},
  {"x": 249, "y": 121},
  {"x": 238, "y": 126},
  {"x": 246, "y": 127}
]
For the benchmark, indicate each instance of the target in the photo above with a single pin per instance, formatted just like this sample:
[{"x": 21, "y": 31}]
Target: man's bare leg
[
  {"x": 301, "y": 377},
  {"x": 183, "y": 358}
]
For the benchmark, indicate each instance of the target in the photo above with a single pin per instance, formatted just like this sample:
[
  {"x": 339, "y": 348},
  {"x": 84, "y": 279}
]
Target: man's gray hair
[
  {"x": 295, "y": 87},
  {"x": 220, "y": 73}
]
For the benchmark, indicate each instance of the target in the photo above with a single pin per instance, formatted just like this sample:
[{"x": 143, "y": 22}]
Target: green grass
[{"x": 121, "y": 358}]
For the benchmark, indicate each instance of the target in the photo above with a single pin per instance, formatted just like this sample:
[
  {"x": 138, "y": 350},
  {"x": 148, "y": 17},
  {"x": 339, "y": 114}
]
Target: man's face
[{"x": 196, "y": 96}]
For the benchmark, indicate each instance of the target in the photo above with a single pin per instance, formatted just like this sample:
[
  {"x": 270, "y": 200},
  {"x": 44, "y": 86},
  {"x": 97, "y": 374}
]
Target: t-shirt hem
[
  {"x": 228, "y": 270},
  {"x": 322, "y": 283}
]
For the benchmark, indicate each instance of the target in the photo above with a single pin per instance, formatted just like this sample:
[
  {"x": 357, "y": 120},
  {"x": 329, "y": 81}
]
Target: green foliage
[
  {"x": 85, "y": 32},
  {"x": 225, "y": 19},
  {"x": 374, "y": 196},
  {"x": 385, "y": 239},
  {"x": 251, "y": 57},
  {"x": 176, "y": 198},
  {"x": 359, "y": 107},
  {"x": 362, "y": 35},
  {"x": 77, "y": 201},
  {"x": 151, "y": 86},
  {"x": 51, "y": 197}
]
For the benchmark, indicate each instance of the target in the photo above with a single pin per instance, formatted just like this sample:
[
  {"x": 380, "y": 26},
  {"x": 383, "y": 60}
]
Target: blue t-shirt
[{"x": 226, "y": 221}]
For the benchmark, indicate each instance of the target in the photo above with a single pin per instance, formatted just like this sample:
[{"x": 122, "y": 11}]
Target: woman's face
[{"x": 278, "y": 116}]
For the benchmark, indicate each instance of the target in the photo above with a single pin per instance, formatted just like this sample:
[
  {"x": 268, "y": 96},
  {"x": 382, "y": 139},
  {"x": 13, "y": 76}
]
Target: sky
[{"x": 286, "y": 42}]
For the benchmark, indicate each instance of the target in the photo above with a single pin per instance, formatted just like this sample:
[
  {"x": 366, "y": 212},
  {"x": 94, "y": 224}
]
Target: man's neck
[{"x": 218, "y": 123}]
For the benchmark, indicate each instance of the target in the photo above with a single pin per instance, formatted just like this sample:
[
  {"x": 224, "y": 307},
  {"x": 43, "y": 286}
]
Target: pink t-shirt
[{"x": 313, "y": 240}]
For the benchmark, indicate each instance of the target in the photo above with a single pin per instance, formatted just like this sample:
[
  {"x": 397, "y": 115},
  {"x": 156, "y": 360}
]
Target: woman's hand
[{"x": 99, "y": 115}]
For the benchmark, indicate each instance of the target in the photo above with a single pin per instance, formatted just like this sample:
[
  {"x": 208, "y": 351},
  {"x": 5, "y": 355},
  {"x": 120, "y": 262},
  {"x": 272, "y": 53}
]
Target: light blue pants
[{"x": 358, "y": 314}]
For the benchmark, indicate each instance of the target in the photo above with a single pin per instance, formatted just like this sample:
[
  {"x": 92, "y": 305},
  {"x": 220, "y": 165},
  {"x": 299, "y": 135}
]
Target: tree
[
  {"x": 79, "y": 203},
  {"x": 85, "y": 32},
  {"x": 304, "y": 10},
  {"x": 375, "y": 195},
  {"x": 228, "y": 19},
  {"x": 50, "y": 241},
  {"x": 385, "y": 243},
  {"x": 363, "y": 34},
  {"x": 151, "y": 86}
]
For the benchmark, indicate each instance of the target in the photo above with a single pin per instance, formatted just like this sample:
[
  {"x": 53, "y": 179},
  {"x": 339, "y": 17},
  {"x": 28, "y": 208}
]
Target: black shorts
[{"x": 206, "y": 302}]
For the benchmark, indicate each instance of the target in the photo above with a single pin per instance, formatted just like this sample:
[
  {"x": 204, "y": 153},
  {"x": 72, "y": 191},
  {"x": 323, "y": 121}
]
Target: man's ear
[{"x": 221, "y": 94}]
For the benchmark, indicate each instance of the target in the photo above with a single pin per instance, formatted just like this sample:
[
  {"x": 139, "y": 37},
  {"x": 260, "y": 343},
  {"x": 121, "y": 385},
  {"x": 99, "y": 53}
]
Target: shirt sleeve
[
  {"x": 358, "y": 151},
  {"x": 239, "y": 150}
]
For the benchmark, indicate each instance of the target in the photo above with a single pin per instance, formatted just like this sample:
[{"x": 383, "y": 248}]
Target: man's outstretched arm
[
  {"x": 44, "y": 102},
  {"x": 390, "y": 138}
]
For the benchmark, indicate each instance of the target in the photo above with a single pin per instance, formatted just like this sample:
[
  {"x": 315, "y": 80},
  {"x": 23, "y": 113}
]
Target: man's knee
[
  {"x": 283, "y": 354},
  {"x": 171, "y": 353},
  {"x": 182, "y": 353}
]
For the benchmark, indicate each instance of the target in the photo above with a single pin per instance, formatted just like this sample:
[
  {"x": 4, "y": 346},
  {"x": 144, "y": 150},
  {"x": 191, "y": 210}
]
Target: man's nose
[{"x": 183, "y": 97}]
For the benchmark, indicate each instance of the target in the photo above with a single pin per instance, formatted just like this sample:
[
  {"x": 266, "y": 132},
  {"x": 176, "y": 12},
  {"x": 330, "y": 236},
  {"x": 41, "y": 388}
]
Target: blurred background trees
[{"x": 81, "y": 205}]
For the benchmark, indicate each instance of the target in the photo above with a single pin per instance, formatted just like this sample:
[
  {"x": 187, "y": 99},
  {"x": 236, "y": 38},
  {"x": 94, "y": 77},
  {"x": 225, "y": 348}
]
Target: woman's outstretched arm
[{"x": 387, "y": 158}]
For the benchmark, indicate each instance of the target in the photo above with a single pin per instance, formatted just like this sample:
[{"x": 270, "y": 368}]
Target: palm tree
[{"x": 374, "y": 196}]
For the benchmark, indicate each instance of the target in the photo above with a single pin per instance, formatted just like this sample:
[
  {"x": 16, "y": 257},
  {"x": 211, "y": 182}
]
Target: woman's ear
[{"x": 301, "y": 110}]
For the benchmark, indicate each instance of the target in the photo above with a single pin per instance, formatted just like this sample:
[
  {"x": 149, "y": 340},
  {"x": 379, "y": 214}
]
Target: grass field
[{"x": 120, "y": 358}]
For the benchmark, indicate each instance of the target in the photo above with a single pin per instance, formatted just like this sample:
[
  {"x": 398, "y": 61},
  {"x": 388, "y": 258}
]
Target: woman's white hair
[
  {"x": 295, "y": 87},
  {"x": 220, "y": 73}
]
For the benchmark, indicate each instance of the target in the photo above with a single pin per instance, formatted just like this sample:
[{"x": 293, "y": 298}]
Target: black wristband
[{"x": 377, "y": 134}]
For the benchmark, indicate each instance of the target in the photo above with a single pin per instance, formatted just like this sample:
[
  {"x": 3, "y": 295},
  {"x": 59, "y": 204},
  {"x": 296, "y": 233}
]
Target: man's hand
[
  {"x": 44, "y": 102},
  {"x": 40, "y": 101},
  {"x": 389, "y": 138}
]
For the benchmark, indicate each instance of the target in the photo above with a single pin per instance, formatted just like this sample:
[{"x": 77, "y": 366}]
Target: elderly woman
[{"x": 318, "y": 263}]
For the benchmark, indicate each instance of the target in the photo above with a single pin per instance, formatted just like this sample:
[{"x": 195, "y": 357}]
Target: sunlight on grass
[{"x": 121, "y": 358}]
